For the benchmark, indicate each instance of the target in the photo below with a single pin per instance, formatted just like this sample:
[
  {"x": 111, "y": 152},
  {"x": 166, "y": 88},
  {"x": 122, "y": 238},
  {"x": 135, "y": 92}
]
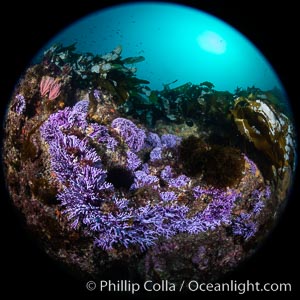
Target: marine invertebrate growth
[
  {"x": 50, "y": 86},
  {"x": 132, "y": 135},
  {"x": 115, "y": 173},
  {"x": 20, "y": 105},
  {"x": 89, "y": 193}
]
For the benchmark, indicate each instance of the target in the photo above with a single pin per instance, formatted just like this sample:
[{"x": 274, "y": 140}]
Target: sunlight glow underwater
[
  {"x": 178, "y": 43},
  {"x": 212, "y": 42}
]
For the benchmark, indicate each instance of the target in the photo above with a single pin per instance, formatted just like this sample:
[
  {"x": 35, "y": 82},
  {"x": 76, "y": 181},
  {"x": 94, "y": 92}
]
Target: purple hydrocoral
[
  {"x": 98, "y": 132},
  {"x": 20, "y": 104},
  {"x": 153, "y": 140},
  {"x": 198, "y": 191},
  {"x": 143, "y": 179},
  {"x": 168, "y": 196},
  {"x": 64, "y": 120},
  {"x": 252, "y": 165},
  {"x": 170, "y": 140},
  {"x": 111, "y": 143},
  {"x": 145, "y": 168},
  {"x": 97, "y": 94},
  {"x": 141, "y": 226},
  {"x": 166, "y": 173},
  {"x": 84, "y": 194},
  {"x": 155, "y": 154},
  {"x": 133, "y": 161},
  {"x": 76, "y": 165},
  {"x": 267, "y": 192},
  {"x": 77, "y": 116},
  {"x": 101, "y": 134},
  {"x": 260, "y": 194},
  {"x": 179, "y": 181},
  {"x": 158, "y": 144},
  {"x": 133, "y": 136},
  {"x": 67, "y": 152},
  {"x": 258, "y": 197},
  {"x": 243, "y": 226},
  {"x": 216, "y": 213},
  {"x": 84, "y": 191},
  {"x": 219, "y": 210},
  {"x": 259, "y": 205}
]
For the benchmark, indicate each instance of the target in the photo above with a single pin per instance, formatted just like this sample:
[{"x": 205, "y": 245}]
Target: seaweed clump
[
  {"x": 192, "y": 151},
  {"x": 268, "y": 130},
  {"x": 221, "y": 166}
]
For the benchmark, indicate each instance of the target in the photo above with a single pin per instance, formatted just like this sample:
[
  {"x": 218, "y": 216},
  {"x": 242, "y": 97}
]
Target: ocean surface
[{"x": 179, "y": 44}]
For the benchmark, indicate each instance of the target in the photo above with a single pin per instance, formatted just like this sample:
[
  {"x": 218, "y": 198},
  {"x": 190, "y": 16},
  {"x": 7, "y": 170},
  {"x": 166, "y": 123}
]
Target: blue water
[{"x": 178, "y": 42}]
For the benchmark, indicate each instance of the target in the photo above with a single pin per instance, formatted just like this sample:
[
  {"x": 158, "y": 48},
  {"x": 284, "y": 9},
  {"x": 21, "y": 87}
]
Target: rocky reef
[{"x": 174, "y": 184}]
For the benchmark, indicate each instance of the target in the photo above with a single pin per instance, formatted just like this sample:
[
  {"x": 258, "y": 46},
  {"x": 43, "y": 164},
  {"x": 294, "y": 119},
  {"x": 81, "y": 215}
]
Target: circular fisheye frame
[{"x": 164, "y": 148}]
